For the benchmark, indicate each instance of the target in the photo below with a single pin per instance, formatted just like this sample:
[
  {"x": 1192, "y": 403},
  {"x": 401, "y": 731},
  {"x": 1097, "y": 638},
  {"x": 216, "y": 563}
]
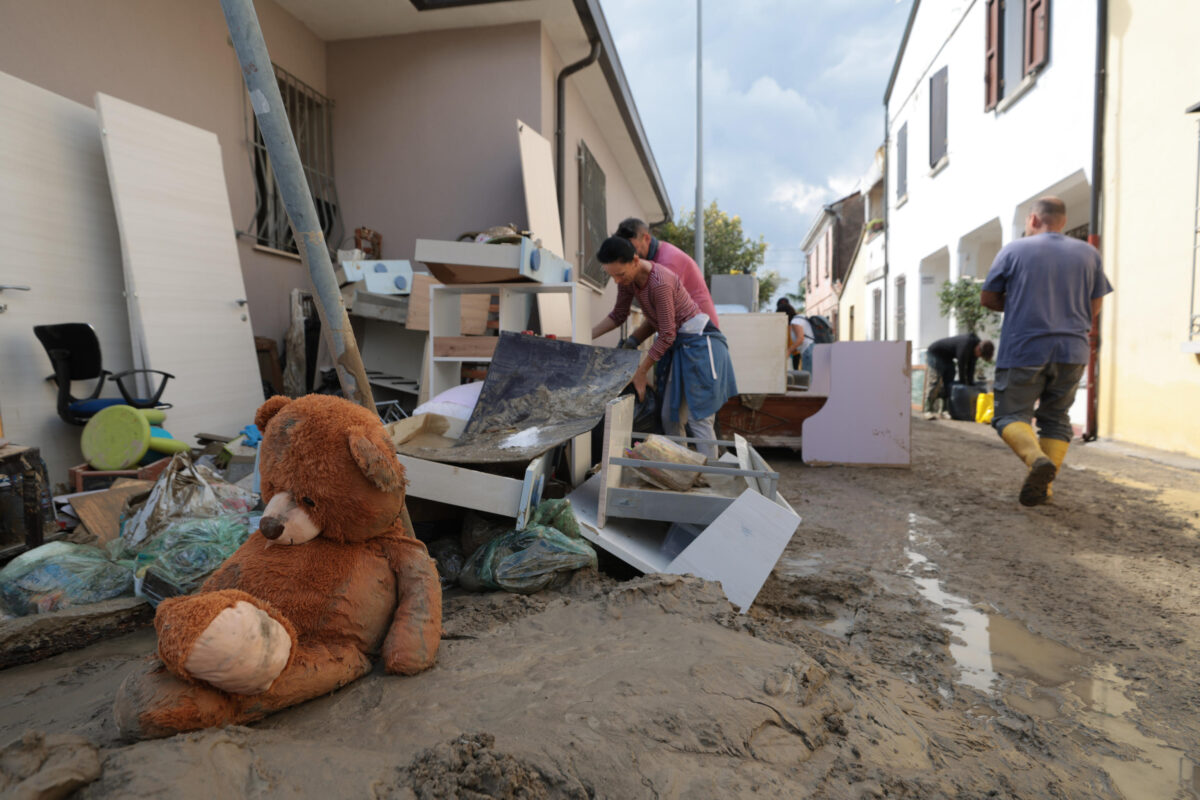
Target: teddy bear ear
[
  {"x": 268, "y": 410},
  {"x": 380, "y": 467}
]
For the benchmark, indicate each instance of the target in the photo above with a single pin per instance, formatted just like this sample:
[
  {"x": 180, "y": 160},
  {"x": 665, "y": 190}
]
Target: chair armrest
[{"x": 129, "y": 399}]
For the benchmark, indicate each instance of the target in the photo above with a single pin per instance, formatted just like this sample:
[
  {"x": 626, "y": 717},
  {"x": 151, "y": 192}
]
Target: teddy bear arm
[{"x": 412, "y": 640}]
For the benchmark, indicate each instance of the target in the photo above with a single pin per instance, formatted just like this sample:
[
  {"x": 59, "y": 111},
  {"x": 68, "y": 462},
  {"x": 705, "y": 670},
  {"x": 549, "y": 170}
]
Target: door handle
[{"x": 4, "y": 286}]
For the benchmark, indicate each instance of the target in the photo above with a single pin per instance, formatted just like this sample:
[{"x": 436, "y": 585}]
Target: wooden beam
[{"x": 464, "y": 346}]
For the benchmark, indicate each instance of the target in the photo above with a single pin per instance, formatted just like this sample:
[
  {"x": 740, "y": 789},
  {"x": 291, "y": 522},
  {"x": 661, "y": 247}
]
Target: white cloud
[{"x": 803, "y": 198}]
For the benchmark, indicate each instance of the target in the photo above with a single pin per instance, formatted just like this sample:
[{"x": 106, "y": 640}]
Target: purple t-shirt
[{"x": 1048, "y": 281}]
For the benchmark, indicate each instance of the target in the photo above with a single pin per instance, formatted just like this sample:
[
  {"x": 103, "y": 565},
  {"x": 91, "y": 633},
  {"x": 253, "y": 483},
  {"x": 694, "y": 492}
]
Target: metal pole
[
  {"x": 267, "y": 103},
  {"x": 699, "y": 140}
]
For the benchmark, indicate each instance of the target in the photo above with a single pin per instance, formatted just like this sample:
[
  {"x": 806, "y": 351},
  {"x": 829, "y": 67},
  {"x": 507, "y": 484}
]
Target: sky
[{"x": 793, "y": 103}]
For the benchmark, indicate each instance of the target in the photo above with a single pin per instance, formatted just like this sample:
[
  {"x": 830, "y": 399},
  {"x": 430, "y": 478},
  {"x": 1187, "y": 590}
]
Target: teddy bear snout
[{"x": 271, "y": 527}]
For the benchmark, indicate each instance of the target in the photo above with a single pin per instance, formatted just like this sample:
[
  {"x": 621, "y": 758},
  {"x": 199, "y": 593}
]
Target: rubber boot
[
  {"x": 1056, "y": 451},
  {"x": 1023, "y": 441}
]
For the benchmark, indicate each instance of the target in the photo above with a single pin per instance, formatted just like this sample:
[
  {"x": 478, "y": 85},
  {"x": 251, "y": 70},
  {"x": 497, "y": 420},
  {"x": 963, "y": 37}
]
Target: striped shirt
[{"x": 665, "y": 303}]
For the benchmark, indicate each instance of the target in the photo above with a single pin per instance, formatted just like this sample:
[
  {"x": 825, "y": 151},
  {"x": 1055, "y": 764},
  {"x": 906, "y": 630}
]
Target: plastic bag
[
  {"x": 189, "y": 551},
  {"x": 184, "y": 491},
  {"x": 61, "y": 575},
  {"x": 647, "y": 412},
  {"x": 662, "y": 449},
  {"x": 530, "y": 560}
]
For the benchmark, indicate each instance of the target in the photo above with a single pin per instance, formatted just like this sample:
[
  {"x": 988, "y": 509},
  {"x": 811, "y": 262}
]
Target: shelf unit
[{"x": 562, "y": 308}]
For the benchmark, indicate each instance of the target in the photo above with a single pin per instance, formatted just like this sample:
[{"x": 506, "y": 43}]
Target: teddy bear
[{"x": 330, "y": 578}]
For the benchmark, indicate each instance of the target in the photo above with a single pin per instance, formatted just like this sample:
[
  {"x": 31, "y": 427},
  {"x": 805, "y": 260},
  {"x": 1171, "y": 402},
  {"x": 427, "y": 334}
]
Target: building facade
[
  {"x": 1149, "y": 384},
  {"x": 989, "y": 107},
  {"x": 828, "y": 248}
]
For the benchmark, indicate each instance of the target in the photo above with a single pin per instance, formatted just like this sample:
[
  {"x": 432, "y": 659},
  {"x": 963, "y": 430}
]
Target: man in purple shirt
[
  {"x": 1050, "y": 288},
  {"x": 674, "y": 259}
]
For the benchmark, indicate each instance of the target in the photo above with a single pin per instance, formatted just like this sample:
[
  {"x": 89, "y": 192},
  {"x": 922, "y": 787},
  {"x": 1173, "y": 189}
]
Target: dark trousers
[{"x": 938, "y": 378}]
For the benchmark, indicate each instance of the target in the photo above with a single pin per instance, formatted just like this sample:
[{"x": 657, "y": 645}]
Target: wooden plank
[
  {"x": 37, "y": 636},
  {"x": 541, "y": 193},
  {"x": 60, "y": 239},
  {"x": 101, "y": 511},
  {"x": 758, "y": 349},
  {"x": 473, "y": 309},
  {"x": 464, "y": 346},
  {"x": 775, "y": 422},
  {"x": 554, "y": 313},
  {"x": 618, "y": 425},
  {"x": 740, "y": 547},
  {"x": 531, "y": 489},
  {"x": 183, "y": 277},
  {"x": 868, "y": 419},
  {"x": 462, "y": 487}
]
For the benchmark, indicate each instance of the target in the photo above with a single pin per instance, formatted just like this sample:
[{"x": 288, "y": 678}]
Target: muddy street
[
  {"x": 1071, "y": 628},
  {"x": 923, "y": 636}
]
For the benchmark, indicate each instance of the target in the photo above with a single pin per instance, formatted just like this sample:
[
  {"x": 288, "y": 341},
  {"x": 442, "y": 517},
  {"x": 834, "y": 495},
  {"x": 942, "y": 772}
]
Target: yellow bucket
[{"x": 984, "y": 408}]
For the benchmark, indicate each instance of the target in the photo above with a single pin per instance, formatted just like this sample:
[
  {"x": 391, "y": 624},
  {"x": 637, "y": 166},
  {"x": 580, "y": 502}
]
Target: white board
[
  {"x": 541, "y": 192},
  {"x": 740, "y": 547},
  {"x": 868, "y": 418},
  {"x": 758, "y": 349},
  {"x": 182, "y": 272},
  {"x": 60, "y": 240}
]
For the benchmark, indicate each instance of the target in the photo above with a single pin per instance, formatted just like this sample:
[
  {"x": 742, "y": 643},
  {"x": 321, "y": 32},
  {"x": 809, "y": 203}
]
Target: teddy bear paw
[{"x": 242, "y": 651}]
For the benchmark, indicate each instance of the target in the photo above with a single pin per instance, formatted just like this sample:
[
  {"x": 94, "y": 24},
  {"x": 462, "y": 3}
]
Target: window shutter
[
  {"x": 902, "y": 161},
  {"x": 938, "y": 85},
  {"x": 1037, "y": 33},
  {"x": 991, "y": 62}
]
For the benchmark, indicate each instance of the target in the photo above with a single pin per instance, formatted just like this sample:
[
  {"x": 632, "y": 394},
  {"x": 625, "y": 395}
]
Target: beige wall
[
  {"x": 425, "y": 130},
  {"x": 620, "y": 201},
  {"x": 174, "y": 57},
  {"x": 1149, "y": 388}
]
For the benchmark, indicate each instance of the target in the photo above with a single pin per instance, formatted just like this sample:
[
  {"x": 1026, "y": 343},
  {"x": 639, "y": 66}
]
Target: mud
[{"x": 923, "y": 636}]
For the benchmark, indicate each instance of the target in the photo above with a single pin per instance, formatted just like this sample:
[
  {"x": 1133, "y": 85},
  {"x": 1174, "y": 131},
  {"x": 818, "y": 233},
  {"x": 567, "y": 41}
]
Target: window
[
  {"x": 877, "y": 315},
  {"x": 938, "y": 87},
  {"x": 593, "y": 217},
  {"x": 310, "y": 115},
  {"x": 1018, "y": 44},
  {"x": 900, "y": 282},
  {"x": 902, "y": 161}
]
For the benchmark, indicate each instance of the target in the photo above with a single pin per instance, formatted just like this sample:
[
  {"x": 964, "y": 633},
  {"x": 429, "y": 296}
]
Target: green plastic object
[{"x": 116, "y": 438}]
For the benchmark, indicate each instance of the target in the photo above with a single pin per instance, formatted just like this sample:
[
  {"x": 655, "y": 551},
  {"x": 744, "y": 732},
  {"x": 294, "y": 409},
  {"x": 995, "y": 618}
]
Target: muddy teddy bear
[{"x": 330, "y": 578}]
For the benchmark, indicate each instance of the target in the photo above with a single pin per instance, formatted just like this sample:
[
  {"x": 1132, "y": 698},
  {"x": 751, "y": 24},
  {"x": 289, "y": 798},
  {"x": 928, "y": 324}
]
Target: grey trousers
[{"x": 1051, "y": 387}]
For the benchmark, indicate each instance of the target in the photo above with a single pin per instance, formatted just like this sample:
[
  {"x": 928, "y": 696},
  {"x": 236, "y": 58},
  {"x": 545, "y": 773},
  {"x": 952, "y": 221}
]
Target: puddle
[{"x": 1039, "y": 677}]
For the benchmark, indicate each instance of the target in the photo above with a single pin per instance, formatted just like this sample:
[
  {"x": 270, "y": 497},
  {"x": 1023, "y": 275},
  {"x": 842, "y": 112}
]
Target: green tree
[
  {"x": 798, "y": 297},
  {"x": 962, "y": 298},
  {"x": 727, "y": 249}
]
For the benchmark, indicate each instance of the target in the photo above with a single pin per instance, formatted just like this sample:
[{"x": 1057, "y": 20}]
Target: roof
[
  {"x": 572, "y": 25},
  {"x": 912, "y": 15}
]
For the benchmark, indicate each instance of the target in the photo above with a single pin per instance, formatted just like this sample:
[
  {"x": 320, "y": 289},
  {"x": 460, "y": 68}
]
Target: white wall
[{"x": 997, "y": 161}]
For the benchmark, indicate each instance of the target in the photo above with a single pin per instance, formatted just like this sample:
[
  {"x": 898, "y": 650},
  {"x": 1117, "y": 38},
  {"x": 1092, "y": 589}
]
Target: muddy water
[{"x": 1048, "y": 681}]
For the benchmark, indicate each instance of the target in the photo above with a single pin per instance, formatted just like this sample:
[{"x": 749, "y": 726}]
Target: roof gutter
[
  {"x": 592, "y": 19},
  {"x": 560, "y": 126}
]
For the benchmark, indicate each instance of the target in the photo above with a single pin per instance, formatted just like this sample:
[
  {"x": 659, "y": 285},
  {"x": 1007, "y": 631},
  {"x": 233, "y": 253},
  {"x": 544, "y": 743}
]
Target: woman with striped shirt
[{"x": 690, "y": 356}]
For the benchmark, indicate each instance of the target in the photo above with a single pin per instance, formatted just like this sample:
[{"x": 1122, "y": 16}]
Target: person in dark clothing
[{"x": 944, "y": 356}]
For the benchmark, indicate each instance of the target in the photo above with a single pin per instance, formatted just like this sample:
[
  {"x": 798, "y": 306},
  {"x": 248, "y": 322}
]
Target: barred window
[{"x": 310, "y": 115}]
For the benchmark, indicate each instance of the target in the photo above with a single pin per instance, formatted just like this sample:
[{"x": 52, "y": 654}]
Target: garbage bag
[
  {"x": 530, "y": 560},
  {"x": 647, "y": 412},
  {"x": 61, "y": 575},
  {"x": 184, "y": 491},
  {"x": 448, "y": 554},
  {"x": 190, "y": 550}
]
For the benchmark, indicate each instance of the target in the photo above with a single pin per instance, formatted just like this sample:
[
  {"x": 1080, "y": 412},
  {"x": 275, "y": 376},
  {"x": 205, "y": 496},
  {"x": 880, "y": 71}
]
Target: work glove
[{"x": 629, "y": 343}]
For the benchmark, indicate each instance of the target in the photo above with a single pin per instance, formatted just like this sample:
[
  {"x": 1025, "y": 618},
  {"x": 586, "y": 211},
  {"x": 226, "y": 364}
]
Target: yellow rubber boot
[
  {"x": 1056, "y": 451},
  {"x": 1024, "y": 442}
]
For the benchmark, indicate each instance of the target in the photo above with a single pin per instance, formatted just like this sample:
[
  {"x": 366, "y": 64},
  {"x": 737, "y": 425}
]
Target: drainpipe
[
  {"x": 268, "y": 107},
  {"x": 560, "y": 126},
  {"x": 1094, "y": 227},
  {"x": 887, "y": 226}
]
